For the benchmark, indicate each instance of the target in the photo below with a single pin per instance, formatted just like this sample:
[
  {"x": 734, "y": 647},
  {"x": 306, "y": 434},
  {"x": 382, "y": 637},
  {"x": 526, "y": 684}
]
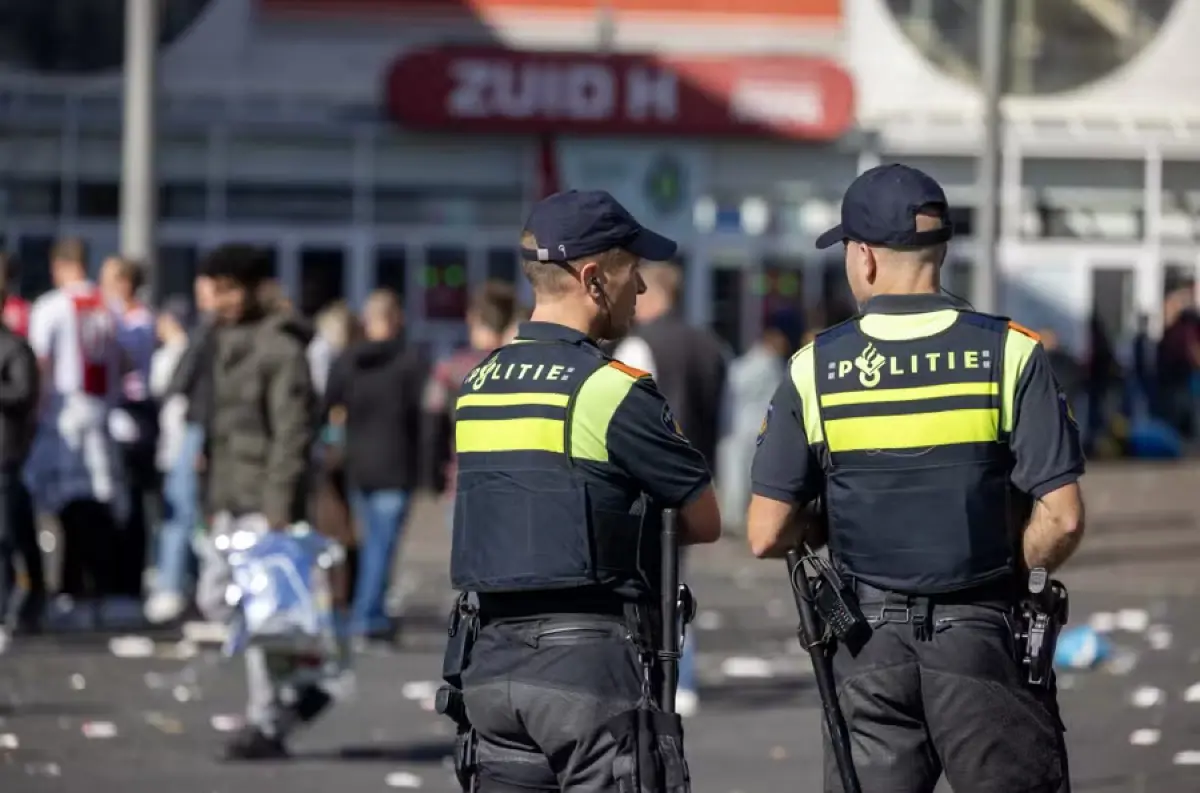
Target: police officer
[
  {"x": 565, "y": 459},
  {"x": 919, "y": 423}
]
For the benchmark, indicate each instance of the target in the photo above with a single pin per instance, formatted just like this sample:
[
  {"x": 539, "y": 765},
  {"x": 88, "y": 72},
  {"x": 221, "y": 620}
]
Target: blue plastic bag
[
  {"x": 1081, "y": 648},
  {"x": 281, "y": 592}
]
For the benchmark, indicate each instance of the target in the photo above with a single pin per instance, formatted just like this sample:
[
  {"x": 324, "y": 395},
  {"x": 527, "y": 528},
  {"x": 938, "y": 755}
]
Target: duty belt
[
  {"x": 496, "y": 607},
  {"x": 883, "y": 606}
]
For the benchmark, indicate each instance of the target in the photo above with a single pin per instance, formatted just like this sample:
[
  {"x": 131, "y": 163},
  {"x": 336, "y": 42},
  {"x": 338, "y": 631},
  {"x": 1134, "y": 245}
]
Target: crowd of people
[
  {"x": 133, "y": 427},
  {"x": 148, "y": 434},
  {"x": 1138, "y": 395}
]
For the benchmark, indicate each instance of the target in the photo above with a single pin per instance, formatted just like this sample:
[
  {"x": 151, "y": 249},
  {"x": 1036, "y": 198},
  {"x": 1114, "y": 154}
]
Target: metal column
[
  {"x": 992, "y": 43},
  {"x": 139, "y": 183},
  {"x": 1151, "y": 273}
]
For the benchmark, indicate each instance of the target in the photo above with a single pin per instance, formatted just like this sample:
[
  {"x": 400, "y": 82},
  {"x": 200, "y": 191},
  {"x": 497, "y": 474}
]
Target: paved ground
[{"x": 757, "y": 730}]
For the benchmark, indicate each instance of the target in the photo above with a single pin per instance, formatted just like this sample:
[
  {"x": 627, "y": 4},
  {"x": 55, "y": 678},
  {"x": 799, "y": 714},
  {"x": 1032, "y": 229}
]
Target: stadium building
[{"x": 398, "y": 142}]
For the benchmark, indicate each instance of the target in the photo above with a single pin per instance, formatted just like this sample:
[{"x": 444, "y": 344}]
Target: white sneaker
[
  {"x": 164, "y": 607},
  {"x": 687, "y": 702}
]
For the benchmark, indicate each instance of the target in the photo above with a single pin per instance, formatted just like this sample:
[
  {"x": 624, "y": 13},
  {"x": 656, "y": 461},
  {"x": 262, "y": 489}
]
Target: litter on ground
[
  {"x": 1145, "y": 737},
  {"x": 402, "y": 779},
  {"x": 99, "y": 730},
  {"x": 1148, "y": 697}
]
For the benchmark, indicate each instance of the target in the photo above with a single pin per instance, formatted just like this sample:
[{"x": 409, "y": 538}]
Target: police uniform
[
  {"x": 922, "y": 424},
  {"x": 565, "y": 459}
]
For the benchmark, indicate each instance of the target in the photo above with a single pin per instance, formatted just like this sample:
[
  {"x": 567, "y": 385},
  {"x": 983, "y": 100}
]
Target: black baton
[
  {"x": 669, "y": 654},
  {"x": 811, "y": 639}
]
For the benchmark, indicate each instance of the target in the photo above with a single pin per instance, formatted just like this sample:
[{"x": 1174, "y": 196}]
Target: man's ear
[
  {"x": 589, "y": 271},
  {"x": 870, "y": 263}
]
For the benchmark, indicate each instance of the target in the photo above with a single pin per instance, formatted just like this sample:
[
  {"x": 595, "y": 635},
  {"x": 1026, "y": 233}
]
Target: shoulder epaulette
[
  {"x": 1024, "y": 331},
  {"x": 636, "y": 374},
  {"x": 833, "y": 331},
  {"x": 992, "y": 322}
]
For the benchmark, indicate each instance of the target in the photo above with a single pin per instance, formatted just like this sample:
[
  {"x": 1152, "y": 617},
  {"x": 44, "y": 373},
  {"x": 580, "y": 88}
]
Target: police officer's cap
[
  {"x": 880, "y": 208},
  {"x": 578, "y": 223}
]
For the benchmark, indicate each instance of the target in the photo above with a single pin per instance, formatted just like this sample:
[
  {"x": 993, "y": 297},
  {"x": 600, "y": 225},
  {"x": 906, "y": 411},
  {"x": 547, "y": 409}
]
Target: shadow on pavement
[{"x": 421, "y": 752}]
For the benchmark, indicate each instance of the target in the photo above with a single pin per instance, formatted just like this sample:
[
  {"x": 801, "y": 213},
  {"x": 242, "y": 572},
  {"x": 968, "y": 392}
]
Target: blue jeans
[
  {"x": 687, "y": 659},
  {"x": 181, "y": 515},
  {"x": 380, "y": 516},
  {"x": 687, "y": 664}
]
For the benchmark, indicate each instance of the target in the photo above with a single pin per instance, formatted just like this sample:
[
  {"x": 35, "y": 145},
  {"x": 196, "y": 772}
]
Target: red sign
[
  {"x": 497, "y": 91},
  {"x": 818, "y": 11}
]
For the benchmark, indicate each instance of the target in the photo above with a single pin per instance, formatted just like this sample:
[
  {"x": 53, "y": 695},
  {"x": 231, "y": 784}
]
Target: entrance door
[
  {"x": 327, "y": 268},
  {"x": 31, "y": 244},
  {"x": 734, "y": 297},
  {"x": 1113, "y": 300},
  {"x": 436, "y": 273},
  {"x": 322, "y": 273}
]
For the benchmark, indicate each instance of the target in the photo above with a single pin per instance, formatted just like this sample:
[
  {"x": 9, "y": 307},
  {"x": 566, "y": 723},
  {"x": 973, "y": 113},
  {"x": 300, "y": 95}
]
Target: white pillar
[
  {"x": 1152, "y": 270},
  {"x": 139, "y": 183},
  {"x": 993, "y": 42}
]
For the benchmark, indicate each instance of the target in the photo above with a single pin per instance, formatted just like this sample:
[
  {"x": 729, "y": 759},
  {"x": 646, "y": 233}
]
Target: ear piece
[{"x": 594, "y": 283}]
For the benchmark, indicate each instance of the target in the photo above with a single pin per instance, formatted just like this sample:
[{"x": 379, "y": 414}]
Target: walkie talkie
[{"x": 836, "y": 603}]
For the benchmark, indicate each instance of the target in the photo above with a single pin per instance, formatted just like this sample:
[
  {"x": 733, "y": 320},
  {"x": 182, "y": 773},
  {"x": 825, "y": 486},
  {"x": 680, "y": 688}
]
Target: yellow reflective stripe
[
  {"x": 913, "y": 431},
  {"x": 510, "y": 400},
  {"x": 1017, "y": 350},
  {"x": 595, "y": 405},
  {"x": 509, "y": 435},
  {"x": 803, "y": 372},
  {"x": 906, "y": 327},
  {"x": 871, "y": 396}
]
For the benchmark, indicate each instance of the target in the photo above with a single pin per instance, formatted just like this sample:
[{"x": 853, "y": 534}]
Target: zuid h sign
[{"x": 502, "y": 91}]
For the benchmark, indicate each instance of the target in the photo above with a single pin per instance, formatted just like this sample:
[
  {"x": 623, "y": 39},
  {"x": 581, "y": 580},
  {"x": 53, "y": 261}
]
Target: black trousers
[
  {"x": 539, "y": 693},
  {"x": 18, "y": 540},
  {"x": 144, "y": 498},
  {"x": 953, "y": 703},
  {"x": 132, "y": 538},
  {"x": 88, "y": 556}
]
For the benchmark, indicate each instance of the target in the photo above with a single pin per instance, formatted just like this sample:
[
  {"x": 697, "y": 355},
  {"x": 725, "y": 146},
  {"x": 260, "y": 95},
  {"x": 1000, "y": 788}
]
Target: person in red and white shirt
[
  {"x": 73, "y": 469},
  {"x": 15, "y": 308}
]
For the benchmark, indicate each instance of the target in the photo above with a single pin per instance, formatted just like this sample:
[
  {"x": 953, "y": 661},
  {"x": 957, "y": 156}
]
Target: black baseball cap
[
  {"x": 577, "y": 223},
  {"x": 880, "y": 208}
]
